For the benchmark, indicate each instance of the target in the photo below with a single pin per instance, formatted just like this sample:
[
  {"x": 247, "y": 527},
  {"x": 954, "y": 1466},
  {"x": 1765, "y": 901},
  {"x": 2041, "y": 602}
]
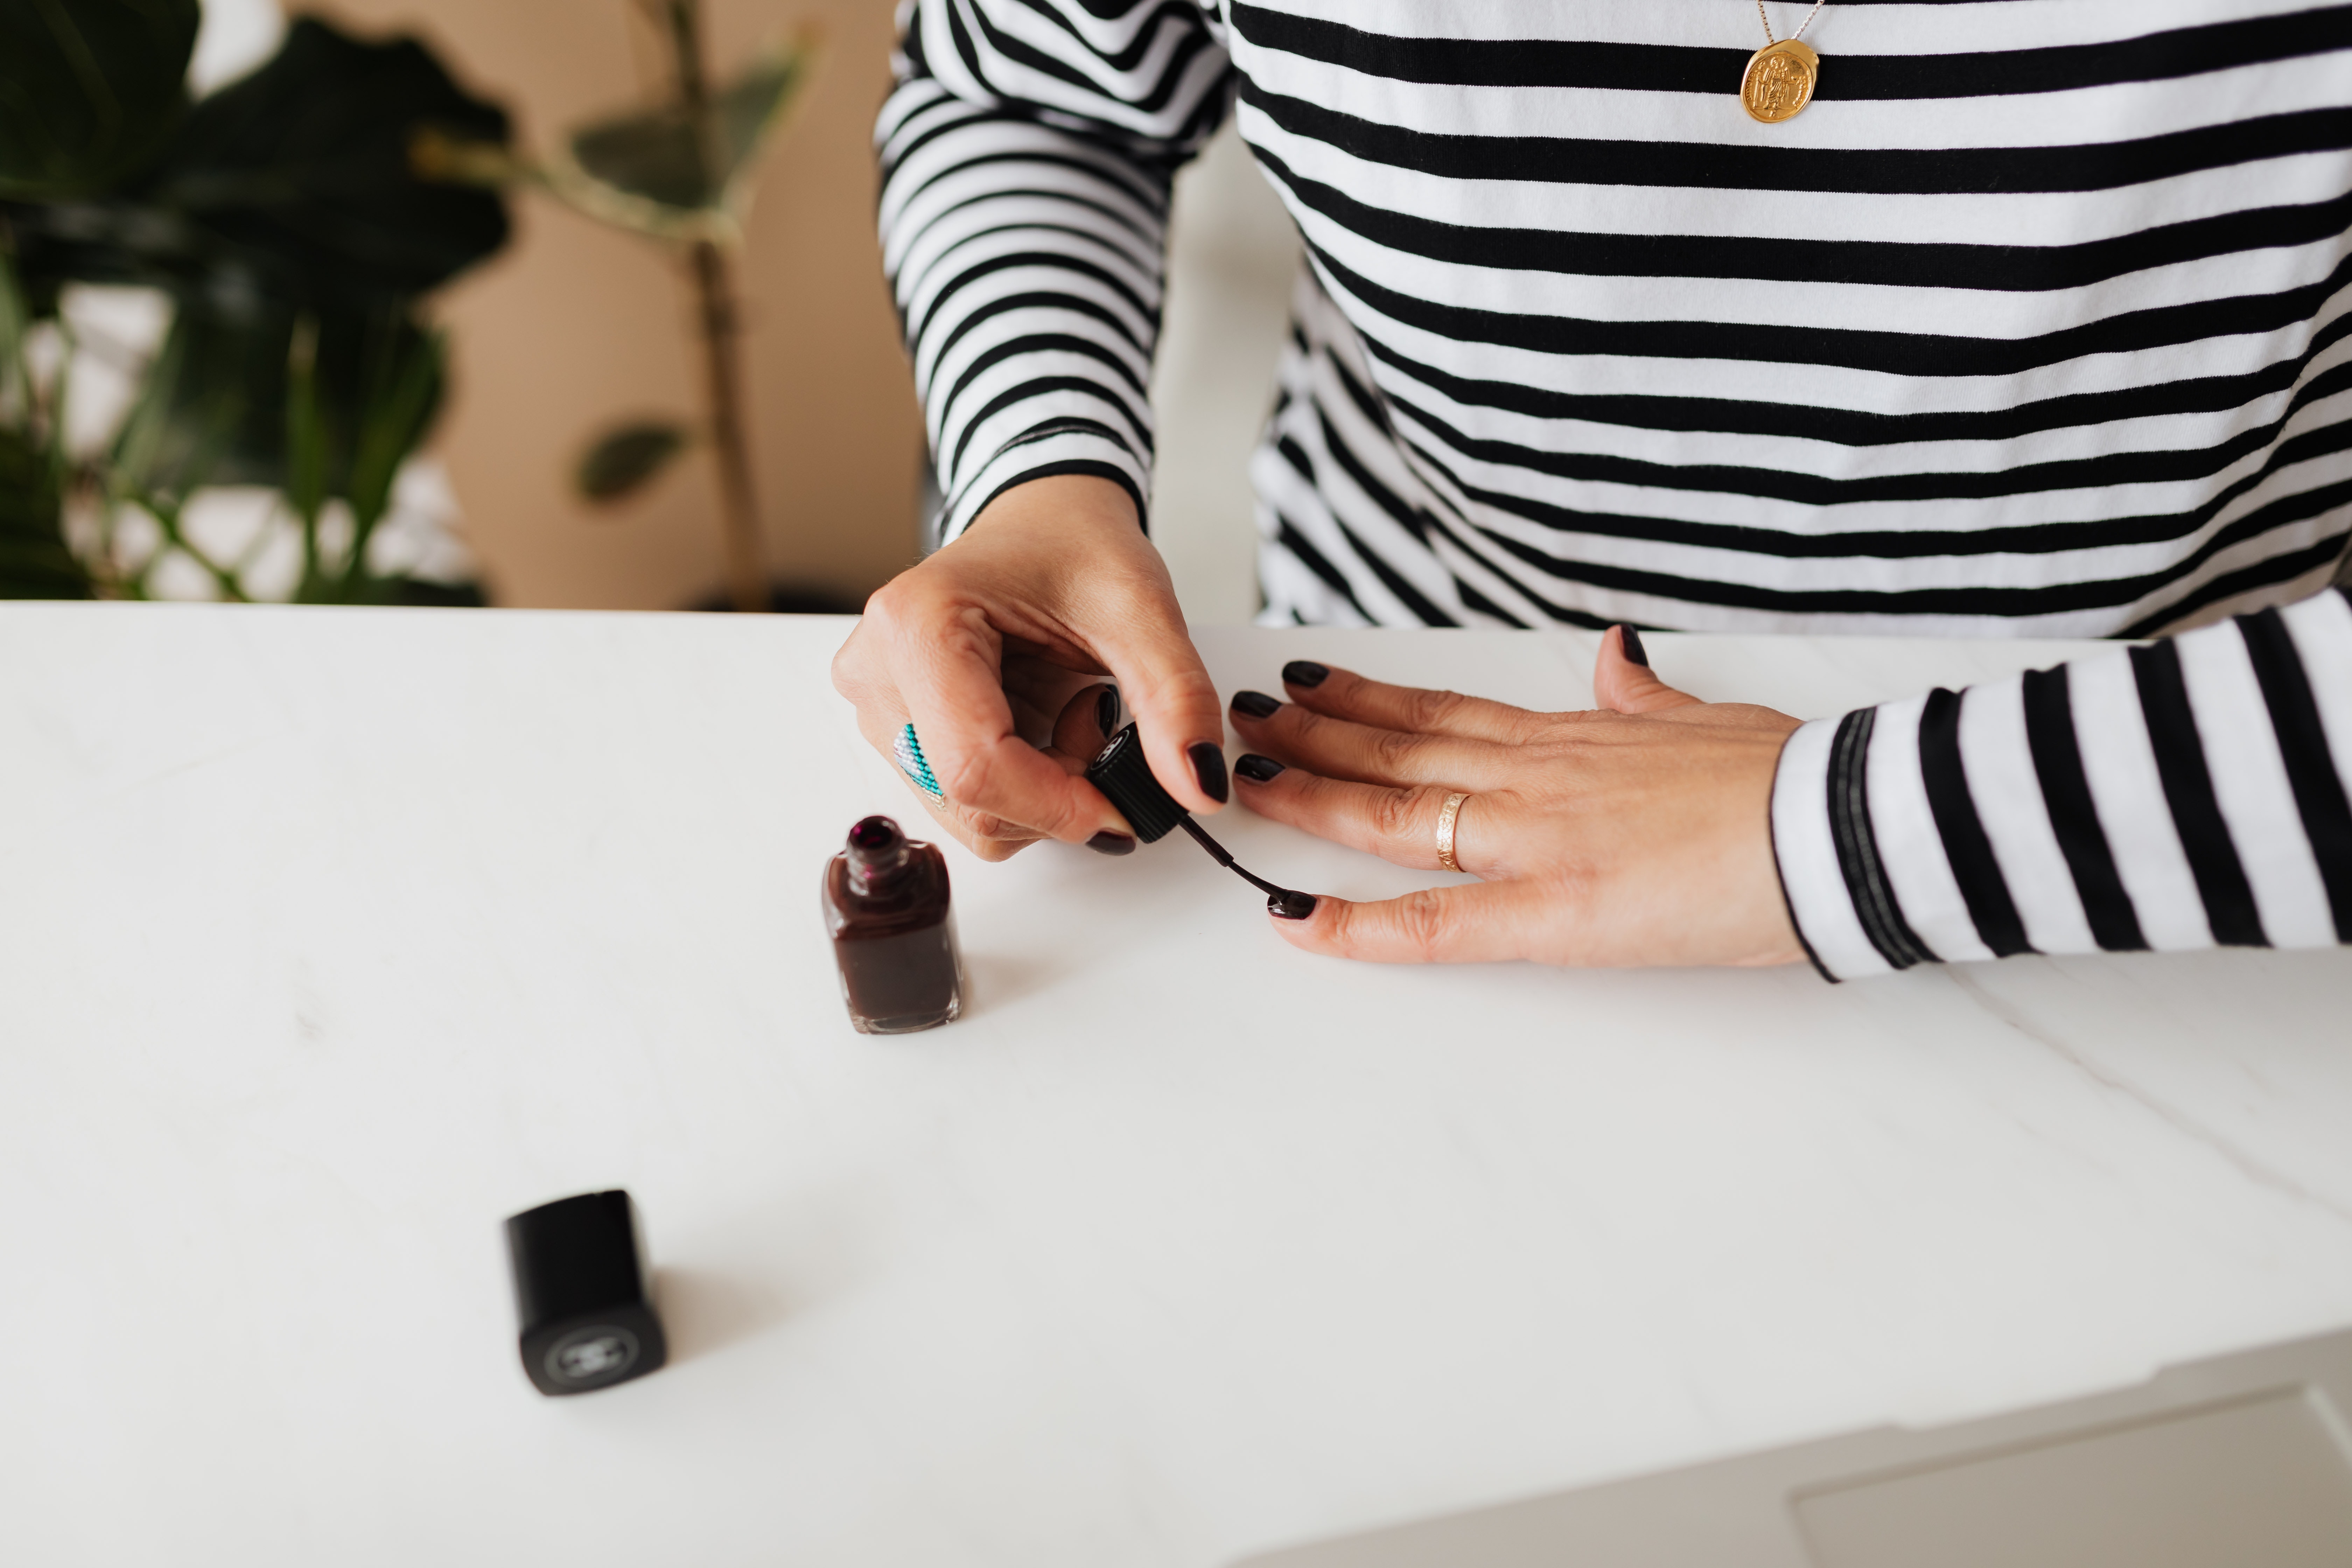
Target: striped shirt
[{"x": 2029, "y": 326}]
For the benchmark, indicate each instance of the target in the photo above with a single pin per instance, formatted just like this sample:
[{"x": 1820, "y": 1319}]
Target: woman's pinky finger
[{"x": 1482, "y": 923}]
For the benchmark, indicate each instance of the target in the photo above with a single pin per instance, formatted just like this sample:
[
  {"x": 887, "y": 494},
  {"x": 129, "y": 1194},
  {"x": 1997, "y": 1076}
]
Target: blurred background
[{"x": 585, "y": 324}]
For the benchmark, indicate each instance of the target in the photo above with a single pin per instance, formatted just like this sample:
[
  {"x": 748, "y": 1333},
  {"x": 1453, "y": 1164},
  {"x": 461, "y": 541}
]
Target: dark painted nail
[
  {"x": 1107, "y": 711},
  {"x": 1303, "y": 672},
  {"x": 1108, "y": 843},
  {"x": 1256, "y": 704},
  {"x": 1256, "y": 769},
  {"x": 1290, "y": 906},
  {"x": 1632, "y": 643},
  {"x": 1209, "y": 767}
]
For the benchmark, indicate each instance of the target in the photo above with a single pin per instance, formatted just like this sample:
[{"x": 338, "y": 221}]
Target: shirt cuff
[{"x": 1817, "y": 794}]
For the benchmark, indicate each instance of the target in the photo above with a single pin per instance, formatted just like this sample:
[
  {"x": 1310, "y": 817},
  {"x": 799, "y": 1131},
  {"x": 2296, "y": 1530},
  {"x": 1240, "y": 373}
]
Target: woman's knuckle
[
  {"x": 1396, "y": 750},
  {"x": 1432, "y": 709},
  {"x": 963, "y": 776},
  {"x": 1394, "y": 813},
  {"x": 1423, "y": 922}
]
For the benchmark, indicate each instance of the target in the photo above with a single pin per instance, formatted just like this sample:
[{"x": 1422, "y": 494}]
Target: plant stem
[{"x": 747, "y": 574}]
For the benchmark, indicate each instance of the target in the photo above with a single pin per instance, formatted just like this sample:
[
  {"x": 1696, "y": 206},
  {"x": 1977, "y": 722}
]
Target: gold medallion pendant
[{"x": 1780, "y": 82}]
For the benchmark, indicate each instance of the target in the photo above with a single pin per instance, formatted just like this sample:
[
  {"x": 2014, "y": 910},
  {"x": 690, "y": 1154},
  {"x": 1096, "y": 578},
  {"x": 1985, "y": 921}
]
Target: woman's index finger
[{"x": 1414, "y": 710}]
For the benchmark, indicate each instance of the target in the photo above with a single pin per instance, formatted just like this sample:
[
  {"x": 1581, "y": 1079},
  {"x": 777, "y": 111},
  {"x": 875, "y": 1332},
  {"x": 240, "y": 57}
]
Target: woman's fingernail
[
  {"x": 1108, "y": 843},
  {"x": 1209, "y": 767},
  {"x": 1107, "y": 711},
  {"x": 1256, "y": 704},
  {"x": 1290, "y": 906},
  {"x": 1303, "y": 672},
  {"x": 1256, "y": 769},
  {"x": 1630, "y": 641}
]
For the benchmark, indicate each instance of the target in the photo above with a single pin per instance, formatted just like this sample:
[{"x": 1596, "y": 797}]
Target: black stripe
[
  {"x": 1982, "y": 887},
  {"x": 1056, "y": 260},
  {"x": 1073, "y": 304},
  {"x": 1874, "y": 903},
  {"x": 1472, "y": 599},
  {"x": 1663, "y": 67},
  {"x": 2109, "y": 469},
  {"x": 1186, "y": 20},
  {"x": 1409, "y": 519},
  {"x": 2310, "y": 766},
  {"x": 1041, "y": 343},
  {"x": 2073, "y": 816},
  {"x": 2189, "y": 789},
  {"x": 1138, "y": 439},
  {"x": 2267, "y": 573},
  {"x": 2000, "y": 268},
  {"x": 2078, "y": 593},
  {"x": 1890, "y": 544},
  {"x": 1288, "y": 537},
  {"x": 1892, "y": 354},
  {"x": 1706, "y": 165},
  {"x": 1073, "y": 466},
  {"x": 1863, "y": 427}
]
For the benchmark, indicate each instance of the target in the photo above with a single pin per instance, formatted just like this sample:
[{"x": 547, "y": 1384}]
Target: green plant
[
  {"x": 288, "y": 224},
  {"x": 678, "y": 171}
]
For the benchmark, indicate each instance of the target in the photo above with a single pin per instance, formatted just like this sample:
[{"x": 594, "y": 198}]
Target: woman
[{"x": 1984, "y": 319}]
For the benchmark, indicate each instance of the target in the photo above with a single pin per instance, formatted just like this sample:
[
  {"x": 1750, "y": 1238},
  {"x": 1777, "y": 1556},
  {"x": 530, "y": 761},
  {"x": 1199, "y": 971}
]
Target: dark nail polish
[
  {"x": 1209, "y": 767},
  {"x": 1632, "y": 646},
  {"x": 1256, "y": 769},
  {"x": 1256, "y": 704},
  {"x": 885, "y": 907},
  {"x": 1108, "y": 843},
  {"x": 1303, "y": 672},
  {"x": 1290, "y": 906},
  {"x": 1107, "y": 711}
]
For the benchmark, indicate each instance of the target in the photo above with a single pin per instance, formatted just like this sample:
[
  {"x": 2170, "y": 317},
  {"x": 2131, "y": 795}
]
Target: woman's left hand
[{"x": 1638, "y": 833}]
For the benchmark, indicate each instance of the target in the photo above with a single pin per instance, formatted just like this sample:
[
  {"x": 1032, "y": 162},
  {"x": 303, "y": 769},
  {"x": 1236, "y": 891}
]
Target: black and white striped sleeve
[
  {"x": 2188, "y": 792},
  {"x": 1026, "y": 156}
]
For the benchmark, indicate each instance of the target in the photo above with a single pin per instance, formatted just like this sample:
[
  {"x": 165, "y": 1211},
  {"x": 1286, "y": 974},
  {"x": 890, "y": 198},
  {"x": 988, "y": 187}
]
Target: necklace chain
[{"x": 1801, "y": 27}]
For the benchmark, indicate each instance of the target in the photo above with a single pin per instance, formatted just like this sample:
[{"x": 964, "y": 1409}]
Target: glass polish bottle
[{"x": 885, "y": 898}]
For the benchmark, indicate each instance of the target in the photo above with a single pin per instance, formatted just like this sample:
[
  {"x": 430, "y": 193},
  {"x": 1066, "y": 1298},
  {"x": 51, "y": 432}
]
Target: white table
[{"x": 328, "y": 939}]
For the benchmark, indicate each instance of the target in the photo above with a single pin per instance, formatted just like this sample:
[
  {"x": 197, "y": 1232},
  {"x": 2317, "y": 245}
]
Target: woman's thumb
[{"x": 1623, "y": 682}]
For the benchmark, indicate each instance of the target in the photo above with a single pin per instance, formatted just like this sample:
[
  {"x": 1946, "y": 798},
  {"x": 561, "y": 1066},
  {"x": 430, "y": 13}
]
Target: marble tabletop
[{"x": 327, "y": 938}]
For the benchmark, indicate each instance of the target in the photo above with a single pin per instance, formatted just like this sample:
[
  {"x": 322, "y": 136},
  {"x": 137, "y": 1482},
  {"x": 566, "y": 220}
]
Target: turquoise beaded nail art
[{"x": 908, "y": 754}]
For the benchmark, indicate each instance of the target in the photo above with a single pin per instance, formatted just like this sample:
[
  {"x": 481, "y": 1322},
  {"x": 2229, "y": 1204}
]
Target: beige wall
[{"x": 575, "y": 325}]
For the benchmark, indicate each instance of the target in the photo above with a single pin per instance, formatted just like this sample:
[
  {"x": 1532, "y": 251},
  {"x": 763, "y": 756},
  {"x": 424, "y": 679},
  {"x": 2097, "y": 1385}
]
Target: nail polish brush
[{"x": 1121, "y": 772}]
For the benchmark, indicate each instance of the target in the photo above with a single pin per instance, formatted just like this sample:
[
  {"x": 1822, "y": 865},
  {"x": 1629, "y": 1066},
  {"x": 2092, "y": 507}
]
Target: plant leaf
[
  {"x": 624, "y": 458},
  {"x": 34, "y": 562},
  {"x": 89, "y": 90},
  {"x": 295, "y": 185},
  {"x": 648, "y": 171},
  {"x": 215, "y": 409}
]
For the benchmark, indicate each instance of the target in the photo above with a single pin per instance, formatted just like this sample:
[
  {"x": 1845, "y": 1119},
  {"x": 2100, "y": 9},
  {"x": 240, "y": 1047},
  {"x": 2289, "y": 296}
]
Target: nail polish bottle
[
  {"x": 583, "y": 1294},
  {"x": 885, "y": 907}
]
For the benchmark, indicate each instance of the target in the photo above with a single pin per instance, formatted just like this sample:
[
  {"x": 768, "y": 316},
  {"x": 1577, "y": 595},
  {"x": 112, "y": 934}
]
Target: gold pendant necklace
[{"x": 1779, "y": 79}]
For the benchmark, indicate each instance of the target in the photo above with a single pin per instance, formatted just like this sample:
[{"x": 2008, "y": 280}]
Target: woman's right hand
[{"x": 993, "y": 647}]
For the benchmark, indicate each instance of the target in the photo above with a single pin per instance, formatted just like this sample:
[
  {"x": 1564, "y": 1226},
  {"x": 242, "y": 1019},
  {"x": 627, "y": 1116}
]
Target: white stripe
[
  {"x": 2321, "y": 629},
  {"x": 1895, "y": 29},
  {"x": 1817, "y": 900},
  {"x": 1998, "y": 760},
  {"x": 2120, "y": 765},
  {"x": 1910, "y": 846},
  {"x": 2250, "y": 785}
]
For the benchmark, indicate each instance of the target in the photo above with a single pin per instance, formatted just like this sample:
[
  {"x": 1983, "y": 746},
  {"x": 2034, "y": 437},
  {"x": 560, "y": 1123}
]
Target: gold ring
[{"x": 1447, "y": 815}]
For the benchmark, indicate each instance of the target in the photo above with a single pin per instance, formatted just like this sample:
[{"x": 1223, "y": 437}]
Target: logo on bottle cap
[{"x": 597, "y": 1354}]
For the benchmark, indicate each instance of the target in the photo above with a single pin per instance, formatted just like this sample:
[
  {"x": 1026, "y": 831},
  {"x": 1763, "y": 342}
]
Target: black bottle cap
[
  {"x": 583, "y": 1294},
  {"x": 1120, "y": 772}
]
